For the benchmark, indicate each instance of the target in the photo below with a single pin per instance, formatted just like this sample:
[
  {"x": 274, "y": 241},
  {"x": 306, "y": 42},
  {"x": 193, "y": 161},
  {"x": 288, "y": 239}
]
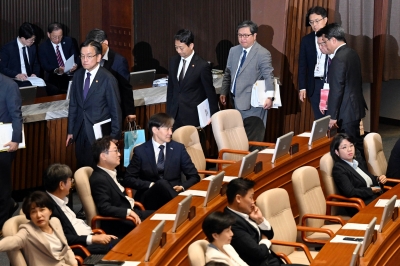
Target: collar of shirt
[
  {"x": 188, "y": 59},
  {"x": 20, "y": 45},
  {"x": 247, "y": 50},
  {"x": 156, "y": 148},
  {"x": 93, "y": 74},
  {"x": 105, "y": 56},
  {"x": 60, "y": 49},
  {"x": 113, "y": 175},
  {"x": 60, "y": 202},
  {"x": 353, "y": 164},
  {"x": 334, "y": 53}
]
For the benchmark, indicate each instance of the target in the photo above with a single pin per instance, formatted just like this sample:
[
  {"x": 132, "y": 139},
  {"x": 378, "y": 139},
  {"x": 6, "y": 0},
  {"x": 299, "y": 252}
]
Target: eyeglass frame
[
  {"x": 245, "y": 36},
  {"x": 311, "y": 22},
  {"x": 87, "y": 56}
]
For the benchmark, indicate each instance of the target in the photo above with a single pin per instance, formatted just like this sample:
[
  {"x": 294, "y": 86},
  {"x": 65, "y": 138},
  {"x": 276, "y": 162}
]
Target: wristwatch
[{"x": 271, "y": 98}]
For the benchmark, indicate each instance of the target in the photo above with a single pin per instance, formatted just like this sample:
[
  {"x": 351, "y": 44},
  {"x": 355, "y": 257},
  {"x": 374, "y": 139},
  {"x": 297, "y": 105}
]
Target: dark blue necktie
[
  {"x": 26, "y": 61},
  {"x": 327, "y": 68},
  {"x": 160, "y": 162},
  {"x": 237, "y": 72},
  {"x": 87, "y": 86}
]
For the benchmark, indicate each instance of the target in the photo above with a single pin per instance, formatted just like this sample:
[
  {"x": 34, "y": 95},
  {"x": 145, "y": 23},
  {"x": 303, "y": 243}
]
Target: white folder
[
  {"x": 258, "y": 94},
  {"x": 6, "y": 131}
]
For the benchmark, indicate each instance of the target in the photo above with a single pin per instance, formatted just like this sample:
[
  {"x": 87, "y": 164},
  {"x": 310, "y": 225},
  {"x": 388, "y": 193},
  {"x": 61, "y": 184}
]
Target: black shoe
[
  {"x": 81, "y": 214},
  {"x": 13, "y": 209}
]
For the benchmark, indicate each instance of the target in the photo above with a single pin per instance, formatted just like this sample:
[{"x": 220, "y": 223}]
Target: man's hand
[
  {"x": 267, "y": 103},
  {"x": 21, "y": 77},
  {"x": 382, "y": 179},
  {"x": 69, "y": 140},
  {"x": 322, "y": 111},
  {"x": 376, "y": 190},
  {"x": 332, "y": 123},
  {"x": 302, "y": 95},
  {"x": 130, "y": 118},
  {"x": 13, "y": 146},
  {"x": 178, "y": 188},
  {"x": 222, "y": 98},
  {"x": 102, "y": 239},
  {"x": 60, "y": 70},
  {"x": 135, "y": 216},
  {"x": 33, "y": 75},
  {"x": 73, "y": 68},
  {"x": 256, "y": 215}
]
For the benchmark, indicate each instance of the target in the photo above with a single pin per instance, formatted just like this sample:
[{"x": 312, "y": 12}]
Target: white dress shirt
[
  {"x": 60, "y": 49},
  {"x": 93, "y": 74},
  {"x": 354, "y": 164},
  {"x": 188, "y": 60},
  {"x": 21, "y": 56}
]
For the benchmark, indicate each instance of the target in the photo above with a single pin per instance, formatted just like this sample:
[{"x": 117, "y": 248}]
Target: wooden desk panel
[
  {"x": 175, "y": 250},
  {"x": 385, "y": 250}
]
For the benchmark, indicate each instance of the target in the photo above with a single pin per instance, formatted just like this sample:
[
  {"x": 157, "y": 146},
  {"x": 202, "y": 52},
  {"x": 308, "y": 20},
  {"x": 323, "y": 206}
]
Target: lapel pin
[
  {"x": 97, "y": 81},
  {"x": 171, "y": 148},
  {"x": 192, "y": 65}
]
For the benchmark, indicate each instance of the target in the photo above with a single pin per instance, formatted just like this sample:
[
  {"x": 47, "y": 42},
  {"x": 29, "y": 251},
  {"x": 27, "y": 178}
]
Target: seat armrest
[
  {"x": 128, "y": 192},
  {"x": 79, "y": 260},
  {"x": 322, "y": 217},
  {"x": 104, "y": 218},
  {"x": 284, "y": 257},
  {"x": 84, "y": 250},
  {"x": 220, "y": 162},
  {"x": 139, "y": 205},
  {"x": 207, "y": 172},
  {"x": 222, "y": 151},
  {"x": 342, "y": 198},
  {"x": 304, "y": 229},
  {"x": 98, "y": 231},
  {"x": 296, "y": 245},
  {"x": 394, "y": 180},
  {"x": 264, "y": 144}
]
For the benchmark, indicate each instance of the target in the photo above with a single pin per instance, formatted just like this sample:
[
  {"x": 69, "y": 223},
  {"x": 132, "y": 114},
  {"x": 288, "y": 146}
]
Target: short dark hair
[
  {"x": 97, "y": 35},
  {"x": 54, "y": 174},
  {"x": 318, "y": 10},
  {"x": 54, "y": 26},
  {"x": 26, "y": 30},
  {"x": 332, "y": 30},
  {"x": 40, "y": 198},
  {"x": 238, "y": 186},
  {"x": 185, "y": 36},
  {"x": 217, "y": 222},
  {"x": 336, "y": 143},
  {"x": 160, "y": 120},
  {"x": 94, "y": 44},
  {"x": 99, "y": 146},
  {"x": 248, "y": 23}
]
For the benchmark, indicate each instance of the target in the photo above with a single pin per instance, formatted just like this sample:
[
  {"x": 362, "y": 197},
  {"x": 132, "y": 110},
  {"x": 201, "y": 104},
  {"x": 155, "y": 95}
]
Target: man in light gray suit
[{"x": 247, "y": 63}]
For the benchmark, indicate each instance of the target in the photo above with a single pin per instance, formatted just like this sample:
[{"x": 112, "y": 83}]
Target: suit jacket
[
  {"x": 215, "y": 255},
  {"x": 10, "y": 63},
  {"x": 118, "y": 66},
  {"x": 257, "y": 66},
  {"x": 10, "y": 106},
  {"x": 101, "y": 103},
  {"x": 346, "y": 101},
  {"x": 350, "y": 183},
  {"x": 142, "y": 169},
  {"x": 246, "y": 240},
  {"x": 36, "y": 247},
  {"x": 196, "y": 86},
  {"x": 393, "y": 168},
  {"x": 307, "y": 61}
]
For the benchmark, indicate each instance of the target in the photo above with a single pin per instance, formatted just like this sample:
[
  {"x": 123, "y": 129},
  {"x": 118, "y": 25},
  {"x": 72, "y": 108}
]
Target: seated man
[
  {"x": 156, "y": 166},
  {"x": 57, "y": 182},
  {"x": 251, "y": 232},
  {"x": 108, "y": 195}
]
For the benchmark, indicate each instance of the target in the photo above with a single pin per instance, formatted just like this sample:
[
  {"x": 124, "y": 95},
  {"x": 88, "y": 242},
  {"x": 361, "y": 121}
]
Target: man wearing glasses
[
  {"x": 54, "y": 53},
  {"x": 312, "y": 61},
  {"x": 18, "y": 58},
  {"x": 94, "y": 98},
  {"x": 247, "y": 63}
]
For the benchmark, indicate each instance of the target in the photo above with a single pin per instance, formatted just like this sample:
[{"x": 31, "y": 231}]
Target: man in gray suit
[{"x": 247, "y": 63}]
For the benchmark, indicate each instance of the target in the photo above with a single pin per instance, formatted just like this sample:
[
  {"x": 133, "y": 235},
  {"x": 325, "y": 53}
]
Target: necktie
[
  {"x": 160, "y": 162},
  {"x": 87, "y": 86},
  {"x": 237, "y": 72},
  {"x": 327, "y": 68},
  {"x": 182, "y": 74},
  {"x": 27, "y": 65},
  {"x": 59, "y": 58}
]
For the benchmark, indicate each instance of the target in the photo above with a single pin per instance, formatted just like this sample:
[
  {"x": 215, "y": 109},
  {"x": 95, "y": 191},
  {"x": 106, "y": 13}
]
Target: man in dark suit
[
  {"x": 118, "y": 66},
  {"x": 53, "y": 54},
  {"x": 312, "y": 61},
  {"x": 108, "y": 195},
  {"x": 18, "y": 58},
  {"x": 346, "y": 103},
  {"x": 57, "y": 182},
  {"x": 189, "y": 83},
  {"x": 156, "y": 166},
  {"x": 251, "y": 231},
  {"x": 10, "y": 112},
  {"x": 94, "y": 97}
]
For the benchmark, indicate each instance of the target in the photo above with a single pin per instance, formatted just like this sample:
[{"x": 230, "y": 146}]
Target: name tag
[{"x": 326, "y": 86}]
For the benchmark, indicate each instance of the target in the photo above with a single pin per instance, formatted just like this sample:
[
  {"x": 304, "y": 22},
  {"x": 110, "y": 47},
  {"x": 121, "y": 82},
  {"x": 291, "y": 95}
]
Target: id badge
[
  {"x": 326, "y": 86},
  {"x": 319, "y": 69}
]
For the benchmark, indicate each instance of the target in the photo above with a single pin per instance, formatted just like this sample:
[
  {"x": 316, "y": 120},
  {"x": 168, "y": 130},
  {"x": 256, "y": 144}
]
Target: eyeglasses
[
  {"x": 87, "y": 56},
  {"x": 322, "y": 43},
  {"x": 312, "y": 22},
  {"x": 244, "y": 36}
]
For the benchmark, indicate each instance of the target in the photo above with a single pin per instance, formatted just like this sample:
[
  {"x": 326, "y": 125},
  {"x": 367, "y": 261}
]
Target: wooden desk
[
  {"x": 175, "y": 250},
  {"x": 385, "y": 250}
]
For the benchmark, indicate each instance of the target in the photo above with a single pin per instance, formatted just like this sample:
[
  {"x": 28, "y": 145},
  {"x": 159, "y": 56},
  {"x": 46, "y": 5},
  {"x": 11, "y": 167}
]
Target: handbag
[{"x": 132, "y": 137}]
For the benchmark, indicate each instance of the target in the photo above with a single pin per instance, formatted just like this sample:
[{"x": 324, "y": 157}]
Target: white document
[
  {"x": 97, "y": 128},
  {"x": 203, "y": 110},
  {"x": 132, "y": 263},
  {"x": 339, "y": 239},
  {"x": 259, "y": 95},
  {"x": 305, "y": 135},
  {"x": 355, "y": 226},
  {"x": 163, "y": 216},
  {"x": 267, "y": 151},
  {"x": 69, "y": 64},
  {"x": 226, "y": 179},
  {"x": 199, "y": 193},
  {"x": 35, "y": 81},
  {"x": 6, "y": 131},
  {"x": 382, "y": 203}
]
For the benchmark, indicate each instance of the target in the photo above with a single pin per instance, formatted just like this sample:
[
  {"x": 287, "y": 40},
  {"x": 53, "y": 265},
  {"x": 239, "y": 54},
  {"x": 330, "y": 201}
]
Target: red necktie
[{"x": 59, "y": 58}]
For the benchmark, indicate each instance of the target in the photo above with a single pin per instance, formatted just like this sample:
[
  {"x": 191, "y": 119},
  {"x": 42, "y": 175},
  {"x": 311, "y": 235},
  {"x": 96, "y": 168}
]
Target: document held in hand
[
  {"x": 259, "y": 95},
  {"x": 204, "y": 113},
  {"x": 323, "y": 102},
  {"x": 102, "y": 128},
  {"x": 6, "y": 131},
  {"x": 69, "y": 64}
]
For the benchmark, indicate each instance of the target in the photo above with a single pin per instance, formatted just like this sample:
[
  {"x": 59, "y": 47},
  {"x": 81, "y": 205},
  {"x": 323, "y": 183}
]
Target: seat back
[
  {"x": 10, "y": 228},
  {"x": 82, "y": 184},
  {"x": 197, "y": 253},
  {"x": 374, "y": 155},
  {"x": 188, "y": 136},
  {"x": 229, "y": 132},
  {"x": 275, "y": 207},
  {"x": 325, "y": 168},
  {"x": 309, "y": 195}
]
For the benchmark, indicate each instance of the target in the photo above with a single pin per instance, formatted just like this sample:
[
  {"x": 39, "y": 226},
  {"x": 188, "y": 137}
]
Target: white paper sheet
[
  {"x": 132, "y": 263},
  {"x": 163, "y": 216},
  {"x": 69, "y": 64},
  {"x": 35, "y": 81},
  {"x": 97, "y": 128},
  {"x": 355, "y": 226},
  {"x": 267, "y": 151},
  {"x": 203, "y": 110},
  {"x": 305, "y": 135},
  {"x": 199, "y": 193},
  {"x": 382, "y": 203},
  {"x": 6, "y": 135},
  {"x": 227, "y": 178},
  {"x": 339, "y": 239}
]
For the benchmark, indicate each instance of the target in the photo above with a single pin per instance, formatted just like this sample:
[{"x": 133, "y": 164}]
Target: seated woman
[
  {"x": 217, "y": 228},
  {"x": 351, "y": 174},
  {"x": 42, "y": 239}
]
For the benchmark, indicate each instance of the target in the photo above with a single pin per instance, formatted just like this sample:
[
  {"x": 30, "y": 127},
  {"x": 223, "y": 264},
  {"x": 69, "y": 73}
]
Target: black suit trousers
[
  {"x": 158, "y": 195},
  {"x": 6, "y": 202},
  {"x": 83, "y": 149}
]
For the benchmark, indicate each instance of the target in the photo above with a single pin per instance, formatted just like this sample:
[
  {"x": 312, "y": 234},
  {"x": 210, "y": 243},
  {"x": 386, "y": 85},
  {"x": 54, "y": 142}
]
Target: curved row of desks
[{"x": 175, "y": 250}]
